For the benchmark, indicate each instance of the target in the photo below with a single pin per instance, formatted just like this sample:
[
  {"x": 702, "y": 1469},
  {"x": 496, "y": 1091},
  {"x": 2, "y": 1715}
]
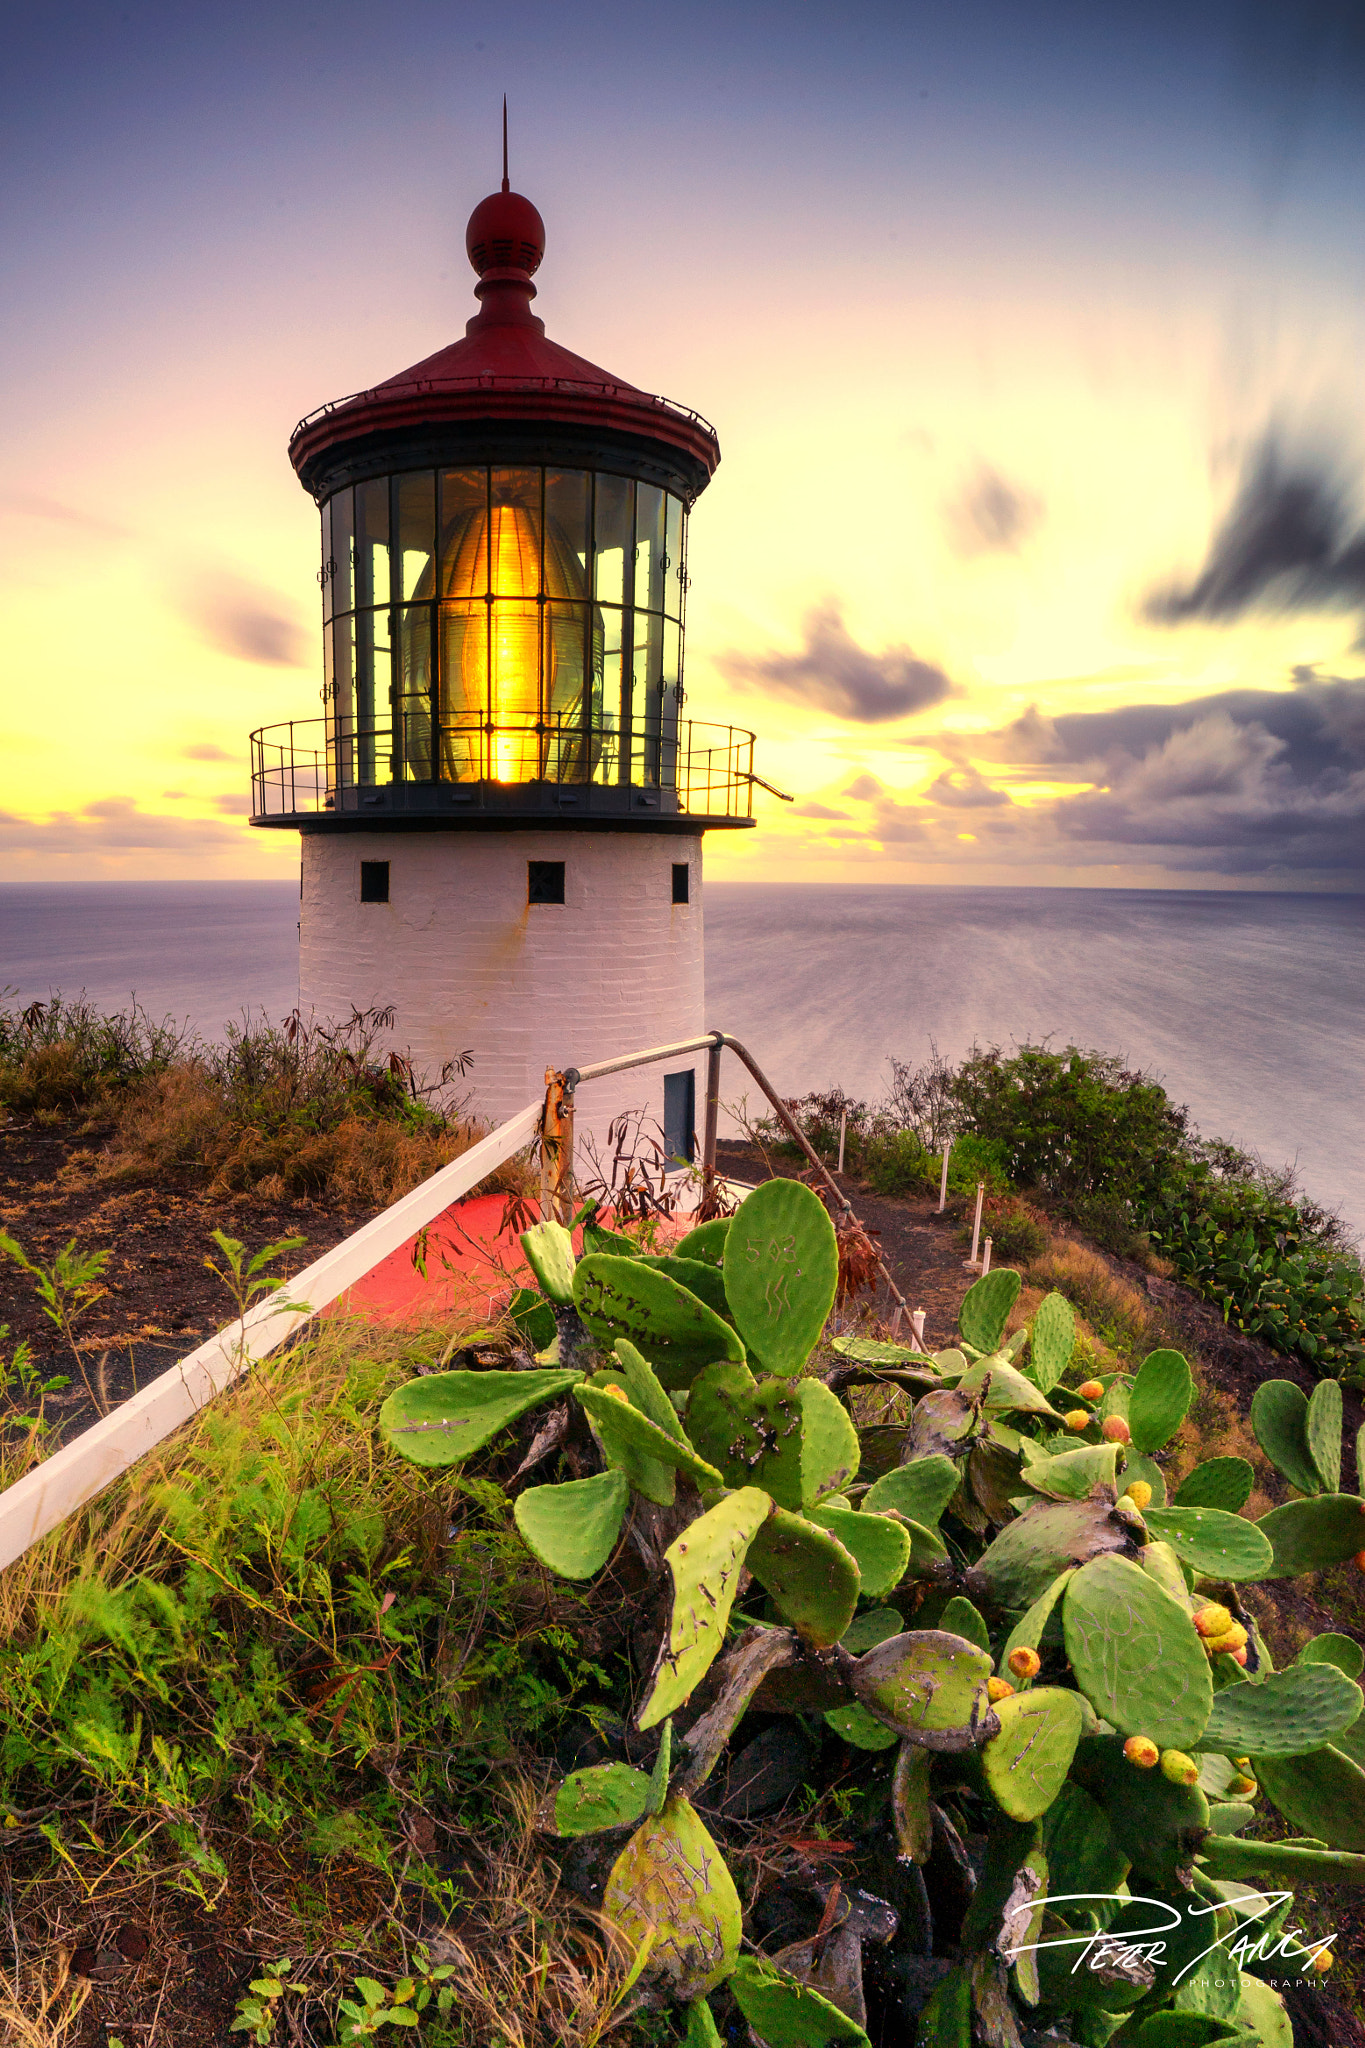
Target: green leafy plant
[{"x": 261, "y": 2005}]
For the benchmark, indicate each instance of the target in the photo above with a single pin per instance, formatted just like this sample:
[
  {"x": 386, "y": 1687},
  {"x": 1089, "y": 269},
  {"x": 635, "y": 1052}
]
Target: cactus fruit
[
  {"x": 781, "y": 1271},
  {"x": 930, "y": 1687},
  {"x": 677, "y": 1333},
  {"x": 879, "y": 1546},
  {"x": 1077, "y": 1419},
  {"x": 706, "y": 1242},
  {"x": 1213, "y": 1619},
  {"x": 1142, "y": 1751},
  {"x": 1140, "y": 1494},
  {"x": 1322, "y": 1429},
  {"x": 1091, "y": 1390},
  {"x": 1135, "y": 1655},
  {"x": 1279, "y": 1419},
  {"x": 920, "y": 1490},
  {"x": 1307, "y": 1535},
  {"x": 705, "y": 1564},
  {"x": 1155, "y": 1823},
  {"x": 1024, "y": 1662},
  {"x": 985, "y": 1309},
  {"x": 1288, "y": 1713},
  {"x": 1178, "y": 1768},
  {"x": 812, "y": 1579},
  {"x": 572, "y": 1529},
  {"x": 446, "y": 1416},
  {"x": 1025, "y": 1764},
  {"x": 1244, "y": 1788},
  {"x": 1115, "y": 1430},
  {"x": 1219, "y": 1545},
  {"x": 1218, "y": 1483},
  {"x": 1052, "y": 1340},
  {"x": 791, "y": 1437},
  {"x": 672, "y": 1881},
  {"x": 999, "y": 1689},
  {"x": 1159, "y": 1399},
  {"x": 602, "y": 1796}
]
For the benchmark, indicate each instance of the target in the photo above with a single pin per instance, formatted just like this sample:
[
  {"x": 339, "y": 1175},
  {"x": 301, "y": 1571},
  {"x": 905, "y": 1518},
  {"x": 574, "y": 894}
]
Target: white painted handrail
[{"x": 83, "y": 1468}]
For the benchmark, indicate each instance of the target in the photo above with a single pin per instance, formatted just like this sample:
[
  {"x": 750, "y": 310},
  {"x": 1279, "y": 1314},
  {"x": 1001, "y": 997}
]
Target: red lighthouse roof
[{"x": 504, "y": 370}]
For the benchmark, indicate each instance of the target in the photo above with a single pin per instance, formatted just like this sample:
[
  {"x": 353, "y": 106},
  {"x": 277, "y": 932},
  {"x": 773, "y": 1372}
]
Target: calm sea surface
[{"x": 1251, "y": 1008}]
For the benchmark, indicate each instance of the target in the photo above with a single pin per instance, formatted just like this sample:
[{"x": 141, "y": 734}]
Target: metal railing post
[{"x": 708, "y": 1143}]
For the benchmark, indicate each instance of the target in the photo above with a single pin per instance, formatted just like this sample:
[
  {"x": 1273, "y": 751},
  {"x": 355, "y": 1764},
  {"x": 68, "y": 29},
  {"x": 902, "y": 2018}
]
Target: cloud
[
  {"x": 832, "y": 673},
  {"x": 1239, "y": 783},
  {"x": 818, "y": 811},
  {"x": 991, "y": 516},
  {"x": 233, "y": 803},
  {"x": 242, "y": 619},
  {"x": 112, "y": 824},
  {"x": 1291, "y": 540},
  {"x": 205, "y": 750},
  {"x": 864, "y": 788},
  {"x": 34, "y": 505}
]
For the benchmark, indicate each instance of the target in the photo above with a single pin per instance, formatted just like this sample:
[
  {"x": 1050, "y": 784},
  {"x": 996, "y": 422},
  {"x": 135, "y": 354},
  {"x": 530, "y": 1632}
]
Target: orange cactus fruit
[
  {"x": 1213, "y": 1620},
  {"x": 1077, "y": 1418},
  {"x": 1239, "y": 1656},
  {"x": 1243, "y": 1788},
  {"x": 1140, "y": 1494},
  {"x": 1091, "y": 1390},
  {"x": 1233, "y": 1639},
  {"x": 1359, "y": 1560},
  {"x": 1115, "y": 1430},
  {"x": 1179, "y": 1768},
  {"x": 1321, "y": 1961},
  {"x": 617, "y": 1393},
  {"x": 999, "y": 1689},
  {"x": 1024, "y": 1663},
  {"x": 1142, "y": 1751}
]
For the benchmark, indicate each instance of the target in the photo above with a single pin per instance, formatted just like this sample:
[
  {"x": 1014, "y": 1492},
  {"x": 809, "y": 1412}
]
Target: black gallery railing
[{"x": 312, "y": 766}]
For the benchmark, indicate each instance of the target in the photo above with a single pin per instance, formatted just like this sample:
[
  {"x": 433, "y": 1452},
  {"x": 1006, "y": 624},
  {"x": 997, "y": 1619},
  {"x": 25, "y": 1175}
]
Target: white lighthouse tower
[{"x": 502, "y": 809}]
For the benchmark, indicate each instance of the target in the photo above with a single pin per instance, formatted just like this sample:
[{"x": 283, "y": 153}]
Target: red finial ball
[{"x": 505, "y": 233}]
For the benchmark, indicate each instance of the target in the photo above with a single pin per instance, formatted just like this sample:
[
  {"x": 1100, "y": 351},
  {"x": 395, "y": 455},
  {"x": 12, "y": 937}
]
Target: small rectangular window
[
  {"x": 544, "y": 881},
  {"x": 374, "y": 881},
  {"x": 681, "y": 872},
  {"x": 680, "y": 1116}
]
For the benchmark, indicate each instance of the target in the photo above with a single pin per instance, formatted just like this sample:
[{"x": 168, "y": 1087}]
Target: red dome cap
[{"x": 505, "y": 232}]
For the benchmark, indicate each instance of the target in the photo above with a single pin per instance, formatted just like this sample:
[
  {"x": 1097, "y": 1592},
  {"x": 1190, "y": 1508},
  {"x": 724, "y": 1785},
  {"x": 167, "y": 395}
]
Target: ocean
[{"x": 1249, "y": 1007}]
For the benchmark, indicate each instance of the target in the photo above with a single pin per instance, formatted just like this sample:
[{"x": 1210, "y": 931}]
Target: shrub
[{"x": 1018, "y": 1234}]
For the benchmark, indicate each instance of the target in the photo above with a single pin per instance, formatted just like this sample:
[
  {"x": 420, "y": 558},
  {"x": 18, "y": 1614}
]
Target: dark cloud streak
[{"x": 833, "y": 673}]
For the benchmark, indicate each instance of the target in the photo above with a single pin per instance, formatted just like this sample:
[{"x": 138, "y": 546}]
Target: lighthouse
[{"x": 502, "y": 808}]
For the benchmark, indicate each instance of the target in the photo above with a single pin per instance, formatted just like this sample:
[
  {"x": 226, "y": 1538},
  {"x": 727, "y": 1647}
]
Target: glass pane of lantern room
[
  {"x": 325, "y": 574},
  {"x": 373, "y": 694},
  {"x": 343, "y": 697},
  {"x": 649, "y": 547},
  {"x": 372, "y": 542},
  {"x": 514, "y": 518},
  {"x": 567, "y": 506},
  {"x": 413, "y": 702},
  {"x": 568, "y": 753},
  {"x": 645, "y": 700},
  {"x": 464, "y": 533},
  {"x": 414, "y": 530},
  {"x": 613, "y": 537},
  {"x": 674, "y": 583},
  {"x": 343, "y": 552},
  {"x": 606, "y": 691}
]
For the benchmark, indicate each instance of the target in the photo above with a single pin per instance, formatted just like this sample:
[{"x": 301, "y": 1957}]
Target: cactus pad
[
  {"x": 645, "y": 1389},
  {"x": 443, "y": 1418},
  {"x": 785, "y": 2013},
  {"x": 811, "y": 1578},
  {"x": 1343, "y": 1651},
  {"x": 698, "y": 1276},
  {"x": 1155, "y": 1824},
  {"x": 1261, "y": 2012},
  {"x": 603, "y": 1796},
  {"x": 930, "y": 1686},
  {"x": 1029, "y": 1553},
  {"x": 1027, "y": 1633},
  {"x": 705, "y": 1565},
  {"x": 793, "y": 1438},
  {"x": 1219, "y": 1545},
  {"x": 631, "y": 1440},
  {"x": 1289, "y": 1712},
  {"x": 1135, "y": 1654},
  {"x": 701, "y": 2027},
  {"x": 910, "y": 1803},
  {"x": 1025, "y": 1764},
  {"x": 879, "y": 1547},
  {"x": 920, "y": 1490},
  {"x": 671, "y": 1880},
  {"x": 706, "y": 1242},
  {"x": 873, "y": 1351},
  {"x": 549, "y": 1254},
  {"x": 1137, "y": 1466},
  {"x": 678, "y": 1334},
  {"x": 1323, "y": 1793},
  {"x": 1077, "y": 1839},
  {"x": 781, "y": 1271},
  {"x": 1004, "y": 1389},
  {"x": 1307, "y": 1535},
  {"x": 572, "y": 1529},
  {"x": 1279, "y": 1418},
  {"x": 960, "y": 1618},
  {"x": 1159, "y": 1399},
  {"x": 855, "y": 1725},
  {"x": 985, "y": 1308},
  {"x": 1051, "y": 1341},
  {"x": 1218, "y": 1483},
  {"x": 1070, "y": 1475},
  {"x": 1322, "y": 1427}
]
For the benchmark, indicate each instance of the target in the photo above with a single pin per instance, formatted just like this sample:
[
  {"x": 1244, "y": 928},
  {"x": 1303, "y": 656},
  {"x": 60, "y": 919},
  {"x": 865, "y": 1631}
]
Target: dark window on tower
[
  {"x": 681, "y": 871},
  {"x": 544, "y": 881},
  {"x": 680, "y": 1114},
  {"x": 374, "y": 881}
]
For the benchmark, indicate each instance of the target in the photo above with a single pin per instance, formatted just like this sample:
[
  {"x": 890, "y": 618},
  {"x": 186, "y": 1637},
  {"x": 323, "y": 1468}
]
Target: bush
[
  {"x": 1018, "y": 1234},
  {"x": 61, "y": 1057},
  {"x": 896, "y": 1163}
]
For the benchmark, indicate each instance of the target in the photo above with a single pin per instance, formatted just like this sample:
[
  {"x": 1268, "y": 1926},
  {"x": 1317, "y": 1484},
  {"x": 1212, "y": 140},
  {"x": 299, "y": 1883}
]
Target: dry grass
[{"x": 37, "y": 2009}]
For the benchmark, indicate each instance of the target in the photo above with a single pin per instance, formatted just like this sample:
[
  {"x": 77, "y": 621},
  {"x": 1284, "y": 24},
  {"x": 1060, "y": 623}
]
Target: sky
[{"x": 1032, "y": 334}]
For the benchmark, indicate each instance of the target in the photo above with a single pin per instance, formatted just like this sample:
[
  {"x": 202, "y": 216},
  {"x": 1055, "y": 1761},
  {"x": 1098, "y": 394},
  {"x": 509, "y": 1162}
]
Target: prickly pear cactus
[
  {"x": 1308, "y": 1535},
  {"x": 1288, "y": 1713},
  {"x": 813, "y": 1580},
  {"x": 1025, "y": 1765},
  {"x": 986, "y": 1307},
  {"x": 1051, "y": 1341},
  {"x": 920, "y": 1490},
  {"x": 602, "y": 1796},
  {"x": 1159, "y": 1399},
  {"x": 1136, "y": 1654},
  {"x": 704, "y": 1563},
  {"x": 1279, "y": 1417},
  {"x": 671, "y": 1884},
  {"x": 791, "y": 1437},
  {"x": 677, "y": 1333},
  {"x": 781, "y": 1271},
  {"x": 549, "y": 1253},
  {"x": 1220, "y": 1545},
  {"x": 572, "y": 1528},
  {"x": 1218, "y": 1483},
  {"x": 930, "y": 1687},
  {"x": 444, "y": 1418}
]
